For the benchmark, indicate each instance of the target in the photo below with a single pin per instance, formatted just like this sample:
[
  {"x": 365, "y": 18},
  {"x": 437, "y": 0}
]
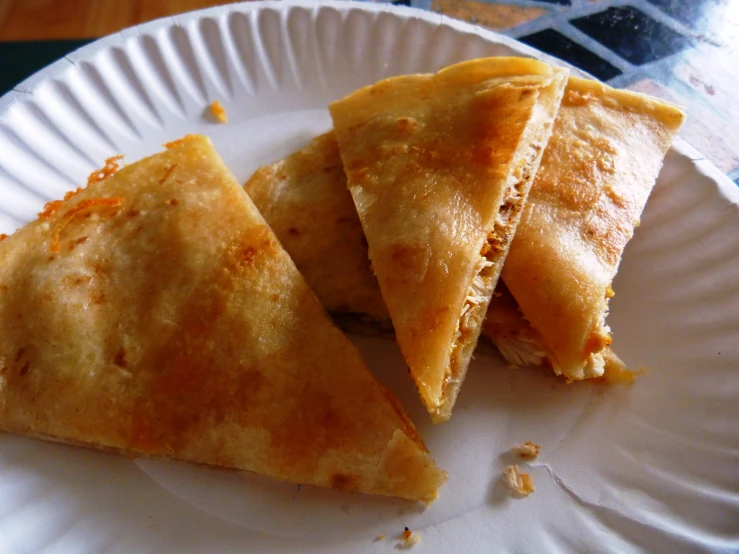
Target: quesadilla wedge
[
  {"x": 306, "y": 203},
  {"x": 594, "y": 180},
  {"x": 438, "y": 167},
  {"x": 154, "y": 313}
]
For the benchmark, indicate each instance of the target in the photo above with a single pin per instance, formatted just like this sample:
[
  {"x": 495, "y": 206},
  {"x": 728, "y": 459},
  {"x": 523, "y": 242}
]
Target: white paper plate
[{"x": 654, "y": 466}]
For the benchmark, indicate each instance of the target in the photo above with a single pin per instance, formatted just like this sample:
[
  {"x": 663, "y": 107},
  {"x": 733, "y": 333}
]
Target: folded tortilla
[
  {"x": 596, "y": 175},
  {"x": 439, "y": 167},
  {"x": 155, "y": 313},
  {"x": 306, "y": 203}
]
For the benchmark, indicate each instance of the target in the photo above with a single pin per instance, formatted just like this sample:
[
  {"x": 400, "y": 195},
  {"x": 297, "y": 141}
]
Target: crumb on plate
[
  {"x": 519, "y": 483},
  {"x": 218, "y": 112},
  {"x": 409, "y": 539},
  {"x": 526, "y": 450}
]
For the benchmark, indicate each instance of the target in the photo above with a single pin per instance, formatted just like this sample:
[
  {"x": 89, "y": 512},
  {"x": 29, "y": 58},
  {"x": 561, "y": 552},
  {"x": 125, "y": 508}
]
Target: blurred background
[
  {"x": 75, "y": 19},
  {"x": 684, "y": 51}
]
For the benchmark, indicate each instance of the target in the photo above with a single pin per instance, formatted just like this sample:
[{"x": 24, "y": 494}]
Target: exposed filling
[
  {"x": 594, "y": 361},
  {"x": 478, "y": 295},
  {"x": 523, "y": 351},
  {"x": 475, "y": 295}
]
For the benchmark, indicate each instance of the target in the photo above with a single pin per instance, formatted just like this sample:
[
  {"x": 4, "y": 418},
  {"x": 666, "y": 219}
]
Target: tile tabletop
[{"x": 684, "y": 51}]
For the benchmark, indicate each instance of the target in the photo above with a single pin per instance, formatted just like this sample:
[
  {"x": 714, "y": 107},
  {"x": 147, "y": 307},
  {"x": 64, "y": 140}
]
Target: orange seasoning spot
[
  {"x": 218, "y": 112},
  {"x": 596, "y": 343},
  {"x": 3, "y": 236},
  {"x": 110, "y": 167},
  {"x": 79, "y": 209}
]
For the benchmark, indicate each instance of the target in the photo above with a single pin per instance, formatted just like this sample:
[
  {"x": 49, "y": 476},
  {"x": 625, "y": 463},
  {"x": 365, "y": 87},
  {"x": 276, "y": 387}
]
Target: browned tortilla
[
  {"x": 605, "y": 152},
  {"x": 439, "y": 167},
  {"x": 155, "y": 313},
  {"x": 306, "y": 203},
  {"x": 596, "y": 175}
]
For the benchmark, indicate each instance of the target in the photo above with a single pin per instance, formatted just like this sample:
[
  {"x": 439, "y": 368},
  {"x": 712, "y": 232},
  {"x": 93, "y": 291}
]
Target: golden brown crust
[
  {"x": 428, "y": 159},
  {"x": 177, "y": 327},
  {"x": 594, "y": 180},
  {"x": 306, "y": 203}
]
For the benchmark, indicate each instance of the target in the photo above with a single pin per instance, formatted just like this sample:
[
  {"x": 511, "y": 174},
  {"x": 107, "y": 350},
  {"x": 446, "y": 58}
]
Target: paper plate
[{"x": 654, "y": 466}]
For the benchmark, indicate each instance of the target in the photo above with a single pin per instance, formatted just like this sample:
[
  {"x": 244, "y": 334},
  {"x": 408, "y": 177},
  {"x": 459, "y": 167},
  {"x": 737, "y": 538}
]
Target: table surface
[{"x": 684, "y": 51}]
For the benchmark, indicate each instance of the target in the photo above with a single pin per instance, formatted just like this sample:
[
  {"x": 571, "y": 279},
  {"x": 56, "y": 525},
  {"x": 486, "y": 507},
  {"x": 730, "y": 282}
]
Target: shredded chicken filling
[
  {"x": 522, "y": 351},
  {"x": 594, "y": 361},
  {"x": 469, "y": 317}
]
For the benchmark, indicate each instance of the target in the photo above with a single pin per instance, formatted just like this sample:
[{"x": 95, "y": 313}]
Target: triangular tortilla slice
[
  {"x": 155, "y": 313},
  {"x": 594, "y": 180},
  {"x": 439, "y": 167},
  {"x": 306, "y": 203}
]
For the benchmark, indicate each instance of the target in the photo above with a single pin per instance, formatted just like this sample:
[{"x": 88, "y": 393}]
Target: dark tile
[
  {"x": 560, "y": 2},
  {"x": 632, "y": 34},
  {"x": 564, "y": 48},
  {"x": 18, "y": 60}
]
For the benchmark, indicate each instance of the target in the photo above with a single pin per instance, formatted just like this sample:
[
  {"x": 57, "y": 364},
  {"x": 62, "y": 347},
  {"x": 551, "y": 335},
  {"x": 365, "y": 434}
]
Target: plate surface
[{"x": 654, "y": 466}]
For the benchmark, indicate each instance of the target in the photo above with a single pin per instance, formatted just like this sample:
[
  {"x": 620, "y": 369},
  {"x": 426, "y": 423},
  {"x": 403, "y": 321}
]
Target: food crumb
[
  {"x": 525, "y": 450},
  {"x": 518, "y": 482},
  {"x": 218, "y": 112},
  {"x": 380, "y": 537},
  {"x": 409, "y": 539}
]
